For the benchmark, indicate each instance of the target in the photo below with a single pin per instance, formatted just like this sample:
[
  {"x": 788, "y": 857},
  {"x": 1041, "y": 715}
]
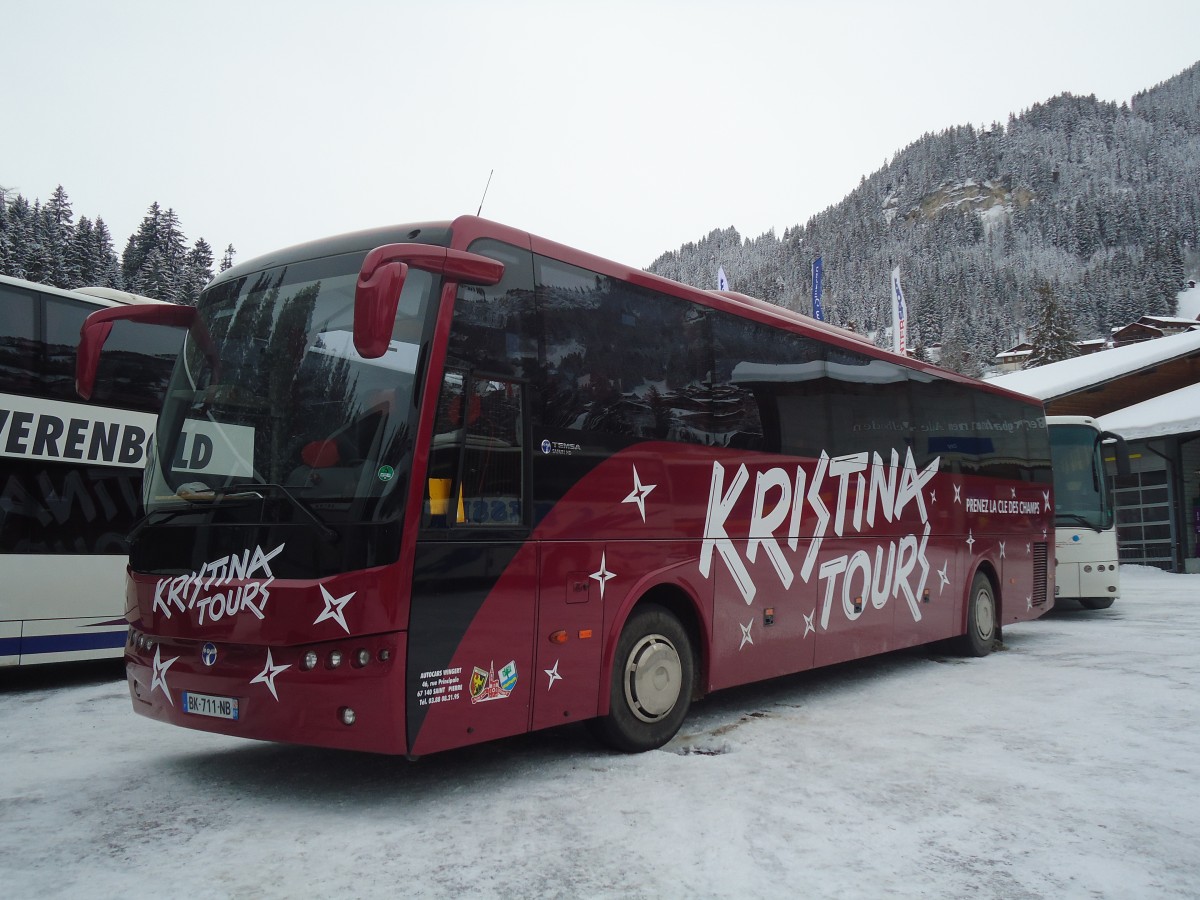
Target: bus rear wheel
[
  {"x": 651, "y": 686},
  {"x": 981, "y": 618},
  {"x": 1096, "y": 602}
]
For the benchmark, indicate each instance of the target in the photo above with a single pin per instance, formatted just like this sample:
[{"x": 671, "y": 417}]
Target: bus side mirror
[
  {"x": 97, "y": 327},
  {"x": 376, "y": 299},
  {"x": 381, "y": 279},
  {"x": 1121, "y": 451}
]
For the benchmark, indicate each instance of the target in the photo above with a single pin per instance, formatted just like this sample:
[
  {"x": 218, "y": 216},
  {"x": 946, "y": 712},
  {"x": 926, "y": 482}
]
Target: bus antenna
[{"x": 485, "y": 189}]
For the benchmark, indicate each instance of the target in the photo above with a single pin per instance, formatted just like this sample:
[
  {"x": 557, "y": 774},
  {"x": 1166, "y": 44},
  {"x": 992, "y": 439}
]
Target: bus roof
[
  {"x": 1073, "y": 420},
  {"x": 442, "y": 233},
  {"x": 99, "y": 296},
  {"x": 106, "y": 293}
]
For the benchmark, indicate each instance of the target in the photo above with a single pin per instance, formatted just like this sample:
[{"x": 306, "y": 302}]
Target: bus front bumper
[{"x": 342, "y": 694}]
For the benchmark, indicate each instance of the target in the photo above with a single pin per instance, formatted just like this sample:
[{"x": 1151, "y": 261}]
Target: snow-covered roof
[
  {"x": 1070, "y": 375},
  {"x": 1169, "y": 320},
  {"x": 1175, "y": 413}
]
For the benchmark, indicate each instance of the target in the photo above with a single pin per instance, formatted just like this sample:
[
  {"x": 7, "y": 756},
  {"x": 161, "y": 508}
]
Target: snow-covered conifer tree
[{"x": 1052, "y": 337}]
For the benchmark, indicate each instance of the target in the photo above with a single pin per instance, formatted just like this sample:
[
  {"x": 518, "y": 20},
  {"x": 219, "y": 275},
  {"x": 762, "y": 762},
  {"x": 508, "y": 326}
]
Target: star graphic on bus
[
  {"x": 1002, "y": 549},
  {"x": 159, "y": 678},
  {"x": 334, "y": 609},
  {"x": 958, "y": 493},
  {"x": 971, "y": 539},
  {"x": 603, "y": 576},
  {"x": 943, "y": 576},
  {"x": 746, "y": 639},
  {"x": 553, "y": 673},
  {"x": 267, "y": 675},
  {"x": 1046, "y": 500},
  {"x": 809, "y": 627},
  {"x": 933, "y": 498},
  {"x": 639, "y": 493}
]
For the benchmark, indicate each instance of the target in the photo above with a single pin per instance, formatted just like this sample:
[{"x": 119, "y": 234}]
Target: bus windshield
[
  {"x": 274, "y": 401},
  {"x": 1079, "y": 490}
]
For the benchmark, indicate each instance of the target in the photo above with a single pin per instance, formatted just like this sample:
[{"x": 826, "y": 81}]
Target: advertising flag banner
[
  {"x": 899, "y": 314},
  {"x": 818, "y": 274},
  {"x": 722, "y": 281}
]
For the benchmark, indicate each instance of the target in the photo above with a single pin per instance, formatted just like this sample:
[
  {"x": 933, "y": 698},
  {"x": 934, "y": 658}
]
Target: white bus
[
  {"x": 70, "y": 472},
  {"x": 1085, "y": 540}
]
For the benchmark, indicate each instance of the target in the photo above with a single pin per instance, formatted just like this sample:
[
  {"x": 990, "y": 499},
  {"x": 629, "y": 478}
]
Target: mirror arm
[{"x": 457, "y": 265}]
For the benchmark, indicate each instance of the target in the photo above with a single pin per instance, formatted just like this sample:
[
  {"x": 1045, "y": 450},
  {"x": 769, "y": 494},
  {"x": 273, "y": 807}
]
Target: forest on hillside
[
  {"x": 1087, "y": 205},
  {"x": 42, "y": 242},
  {"x": 1091, "y": 203}
]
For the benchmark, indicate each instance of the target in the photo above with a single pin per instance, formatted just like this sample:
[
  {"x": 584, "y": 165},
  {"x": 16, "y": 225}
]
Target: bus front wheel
[
  {"x": 1096, "y": 602},
  {"x": 981, "y": 618},
  {"x": 651, "y": 686}
]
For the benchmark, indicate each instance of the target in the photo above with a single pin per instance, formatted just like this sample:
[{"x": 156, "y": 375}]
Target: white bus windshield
[{"x": 1079, "y": 489}]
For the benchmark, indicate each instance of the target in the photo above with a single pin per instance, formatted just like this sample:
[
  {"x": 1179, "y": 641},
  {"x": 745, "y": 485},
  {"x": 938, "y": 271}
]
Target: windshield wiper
[
  {"x": 165, "y": 514},
  {"x": 253, "y": 490}
]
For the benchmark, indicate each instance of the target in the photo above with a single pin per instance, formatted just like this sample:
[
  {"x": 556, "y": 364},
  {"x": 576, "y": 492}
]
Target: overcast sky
[{"x": 624, "y": 128}]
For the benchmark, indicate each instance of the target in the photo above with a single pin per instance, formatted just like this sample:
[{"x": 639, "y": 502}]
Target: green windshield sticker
[{"x": 386, "y": 473}]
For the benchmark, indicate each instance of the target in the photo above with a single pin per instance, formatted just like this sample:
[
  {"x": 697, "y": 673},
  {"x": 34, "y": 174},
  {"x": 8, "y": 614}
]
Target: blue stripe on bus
[{"x": 63, "y": 643}]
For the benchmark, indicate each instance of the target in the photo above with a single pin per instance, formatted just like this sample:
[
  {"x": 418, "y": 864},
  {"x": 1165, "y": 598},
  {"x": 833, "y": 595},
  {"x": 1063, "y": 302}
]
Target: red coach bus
[{"x": 467, "y": 483}]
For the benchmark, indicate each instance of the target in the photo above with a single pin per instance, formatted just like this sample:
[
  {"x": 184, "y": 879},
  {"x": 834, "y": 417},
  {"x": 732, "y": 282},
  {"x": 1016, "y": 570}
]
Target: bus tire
[
  {"x": 1096, "y": 602},
  {"x": 651, "y": 686},
  {"x": 981, "y": 618}
]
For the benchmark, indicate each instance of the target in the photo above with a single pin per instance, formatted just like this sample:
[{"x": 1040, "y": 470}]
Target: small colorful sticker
[
  {"x": 386, "y": 473},
  {"x": 478, "y": 681},
  {"x": 508, "y": 676},
  {"x": 486, "y": 686}
]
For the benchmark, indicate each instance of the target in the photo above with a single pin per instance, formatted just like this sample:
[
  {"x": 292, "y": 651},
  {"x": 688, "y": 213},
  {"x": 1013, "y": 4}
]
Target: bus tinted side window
[
  {"x": 136, "y": 365},
  {"x": 38, "y": 359},
  {"x": 18, "y": 341},
  {"x": 774, "y": 378},
  {"x": 815, "y": 398},
  {"x": 63, "y": 320},
  {"x": 946, "y": 427},
  {"x": 493, "y": 328},
  {"x": 623, "y": 360},
  {"x": 1016, "y": 436}
]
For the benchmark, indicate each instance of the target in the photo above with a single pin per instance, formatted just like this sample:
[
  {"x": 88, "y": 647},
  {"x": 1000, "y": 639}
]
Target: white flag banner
[
  {"x": 722, "y": 281},
  {"x": 899, "y": 314}
]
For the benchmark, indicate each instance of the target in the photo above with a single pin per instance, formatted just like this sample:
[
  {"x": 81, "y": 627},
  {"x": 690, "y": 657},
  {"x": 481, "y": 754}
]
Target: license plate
[{"x": 208, "y": 705}]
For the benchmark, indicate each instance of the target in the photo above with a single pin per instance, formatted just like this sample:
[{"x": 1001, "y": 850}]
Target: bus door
[{"x": 471, "y": 627}]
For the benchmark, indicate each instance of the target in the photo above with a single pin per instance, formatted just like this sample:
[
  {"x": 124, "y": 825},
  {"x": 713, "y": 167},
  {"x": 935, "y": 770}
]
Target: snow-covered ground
[{"x": 1067, "y": 766}]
